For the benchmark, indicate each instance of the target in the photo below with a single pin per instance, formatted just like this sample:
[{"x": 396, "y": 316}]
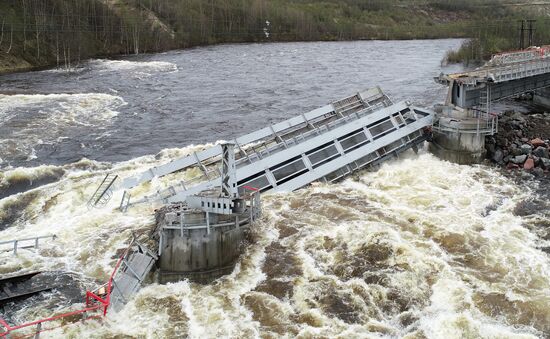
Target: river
[{"x": 419, "y": 248}]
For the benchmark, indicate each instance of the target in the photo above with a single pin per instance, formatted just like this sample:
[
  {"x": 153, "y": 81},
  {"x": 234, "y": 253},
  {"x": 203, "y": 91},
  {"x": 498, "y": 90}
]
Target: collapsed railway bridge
[{"x": 201, "y": 227}]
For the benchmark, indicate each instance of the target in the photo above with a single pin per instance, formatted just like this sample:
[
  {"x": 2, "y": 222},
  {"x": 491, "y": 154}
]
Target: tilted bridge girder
[{"x": 325, "y": 144}]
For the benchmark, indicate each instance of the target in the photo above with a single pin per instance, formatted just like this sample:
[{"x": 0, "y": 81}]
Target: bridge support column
[
  {"x": 542, "y": 97},
  {"x": 459, "y": 136},
  {"x": 457, "y": 147},
  {"x": 198, "y": 254}
]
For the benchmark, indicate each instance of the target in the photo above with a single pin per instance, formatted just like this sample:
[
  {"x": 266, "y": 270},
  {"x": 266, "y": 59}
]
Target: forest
[{"x": 40, "y": 33}]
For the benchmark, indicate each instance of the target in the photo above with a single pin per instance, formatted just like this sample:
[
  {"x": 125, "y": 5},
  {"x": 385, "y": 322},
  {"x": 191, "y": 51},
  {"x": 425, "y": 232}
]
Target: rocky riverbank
[{"x": 522, "y": 142}]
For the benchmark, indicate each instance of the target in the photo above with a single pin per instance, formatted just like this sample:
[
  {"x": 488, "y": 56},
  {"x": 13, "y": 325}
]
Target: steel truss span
[{"x": 325, "y": 144}]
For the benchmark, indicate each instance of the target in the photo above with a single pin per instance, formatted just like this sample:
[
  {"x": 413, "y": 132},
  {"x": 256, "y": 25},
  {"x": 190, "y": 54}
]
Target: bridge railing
[
  {"x": 482, "y": 124},
  {"x": 518, "y": 70},
  {"x": 96, "y": 307},
  {"x": 15, "y": 245},
  {"x": 252, "y": 212}
]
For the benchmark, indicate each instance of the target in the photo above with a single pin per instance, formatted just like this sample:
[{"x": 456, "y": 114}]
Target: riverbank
[
  {"x": 47, "y": 33},
  {"x": 522, "y": 142},
  {"x": 12, "y": 64}
]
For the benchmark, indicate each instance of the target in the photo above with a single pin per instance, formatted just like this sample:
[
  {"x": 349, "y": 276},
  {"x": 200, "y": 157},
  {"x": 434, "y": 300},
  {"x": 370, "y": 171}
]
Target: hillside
[{"x": 39, "y": 33}]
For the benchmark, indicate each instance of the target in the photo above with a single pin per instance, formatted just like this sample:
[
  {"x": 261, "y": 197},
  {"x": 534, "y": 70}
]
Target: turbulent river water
[{"x": 420, "y": 248}]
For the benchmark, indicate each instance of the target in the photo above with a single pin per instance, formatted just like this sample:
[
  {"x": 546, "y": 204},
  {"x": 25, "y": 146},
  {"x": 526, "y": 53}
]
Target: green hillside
[{"x": 37, "y": 33}]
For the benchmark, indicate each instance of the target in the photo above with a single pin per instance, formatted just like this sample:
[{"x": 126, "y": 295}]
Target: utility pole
[
  {"x": 521, "y": 34},
  {"x": 531, "y": 32}
]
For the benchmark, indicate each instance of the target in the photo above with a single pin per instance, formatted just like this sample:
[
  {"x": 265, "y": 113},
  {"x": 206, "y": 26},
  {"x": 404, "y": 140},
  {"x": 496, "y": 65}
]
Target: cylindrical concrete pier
[
  {"x": 461, "y": 141},
  {"x": 200, "y": 251}
]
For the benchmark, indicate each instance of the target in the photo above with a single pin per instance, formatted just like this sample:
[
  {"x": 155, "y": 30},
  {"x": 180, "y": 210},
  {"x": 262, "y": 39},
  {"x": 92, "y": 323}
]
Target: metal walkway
[
  {"x": 132, "y": 269},
  {"x": 20, "y": 286},
  {"x": 324, "y": 144}
]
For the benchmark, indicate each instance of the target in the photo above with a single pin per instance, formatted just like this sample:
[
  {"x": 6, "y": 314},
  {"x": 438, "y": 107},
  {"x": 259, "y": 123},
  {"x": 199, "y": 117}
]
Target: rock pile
[{"x": 522, "y": 142}]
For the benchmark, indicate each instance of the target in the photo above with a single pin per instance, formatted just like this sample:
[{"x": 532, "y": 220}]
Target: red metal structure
[{"x": 97, "y": 303}]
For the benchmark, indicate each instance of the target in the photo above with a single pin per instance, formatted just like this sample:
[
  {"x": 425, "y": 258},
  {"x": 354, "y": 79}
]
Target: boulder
[
  {"x": 511, "y": 166},
  {"x": 529, "y": 164},
  {"x": 515, "y": 151},
  {"x": 520, "y": 159},
  {"x": 518, "y": 117},
  {"x": 545, "y": 163},
  {"x": 515, "y": 125},
  {"x": 498, "y": 156},
  {"x": 502, "y": 141},
  {"x": 541, "y": 152},
  {"x": 525, "y": 149},
  {"x": 537, "y": 142},
  {"x": 491, "y": 148},
  {"x": 539, "y": 172},
  {"x": 508, "y": 113}
]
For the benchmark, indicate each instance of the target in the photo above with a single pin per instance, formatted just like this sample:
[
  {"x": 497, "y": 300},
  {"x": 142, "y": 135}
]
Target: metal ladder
[
  {"x": 104, "y": 192},
  {"x": 484, "y": 100},
  {"x": 125, "y": 202}
]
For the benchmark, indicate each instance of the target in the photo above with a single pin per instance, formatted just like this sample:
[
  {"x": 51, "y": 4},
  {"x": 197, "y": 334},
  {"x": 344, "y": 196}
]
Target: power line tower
[
  {"x": 522, "y": 35},
  {"x": 531, "y": 31}
]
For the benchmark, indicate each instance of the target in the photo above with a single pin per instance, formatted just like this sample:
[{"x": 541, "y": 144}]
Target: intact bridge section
[{"x": 467, "y": 117}]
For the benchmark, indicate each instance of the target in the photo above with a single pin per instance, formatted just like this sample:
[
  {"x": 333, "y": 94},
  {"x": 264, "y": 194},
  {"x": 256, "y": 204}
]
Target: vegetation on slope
[
  {"x": 50, "y": 32},
  {"x": 501, "y": 31},
  {"x": 498, "y": 36}
]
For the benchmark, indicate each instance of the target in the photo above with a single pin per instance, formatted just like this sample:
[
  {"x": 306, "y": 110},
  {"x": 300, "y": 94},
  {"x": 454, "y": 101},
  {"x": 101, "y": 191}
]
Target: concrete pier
[
  {"x": 460, "y": 148},
  {"x": 202, "y": 239},
  {"x": 198, "y": 253},
  {"x": 459, "y": 135}
]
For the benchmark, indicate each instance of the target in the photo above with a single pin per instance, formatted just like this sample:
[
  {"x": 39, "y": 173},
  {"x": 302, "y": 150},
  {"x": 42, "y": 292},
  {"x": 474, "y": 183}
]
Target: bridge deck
[
  {"x": 506, "y": 75},
  {"x": 501, "y": 73},
  {"x": 324, "y": 144}
]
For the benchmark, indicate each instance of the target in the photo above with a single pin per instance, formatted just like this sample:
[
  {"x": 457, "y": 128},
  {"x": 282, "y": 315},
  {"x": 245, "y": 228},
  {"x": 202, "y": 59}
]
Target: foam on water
[
  {"x": 59, "y": 206},
  {"x": 30, "y": 120},
  {"x": 62, "y": 107},
  {"x": 419, "y": 248},
  {"x": 144, "y": 67},
  {"x": 403, "y": 251}
]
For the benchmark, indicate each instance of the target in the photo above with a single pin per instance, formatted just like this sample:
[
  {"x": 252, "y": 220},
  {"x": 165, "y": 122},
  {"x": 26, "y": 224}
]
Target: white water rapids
[{"x": 420, "y": 248}]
